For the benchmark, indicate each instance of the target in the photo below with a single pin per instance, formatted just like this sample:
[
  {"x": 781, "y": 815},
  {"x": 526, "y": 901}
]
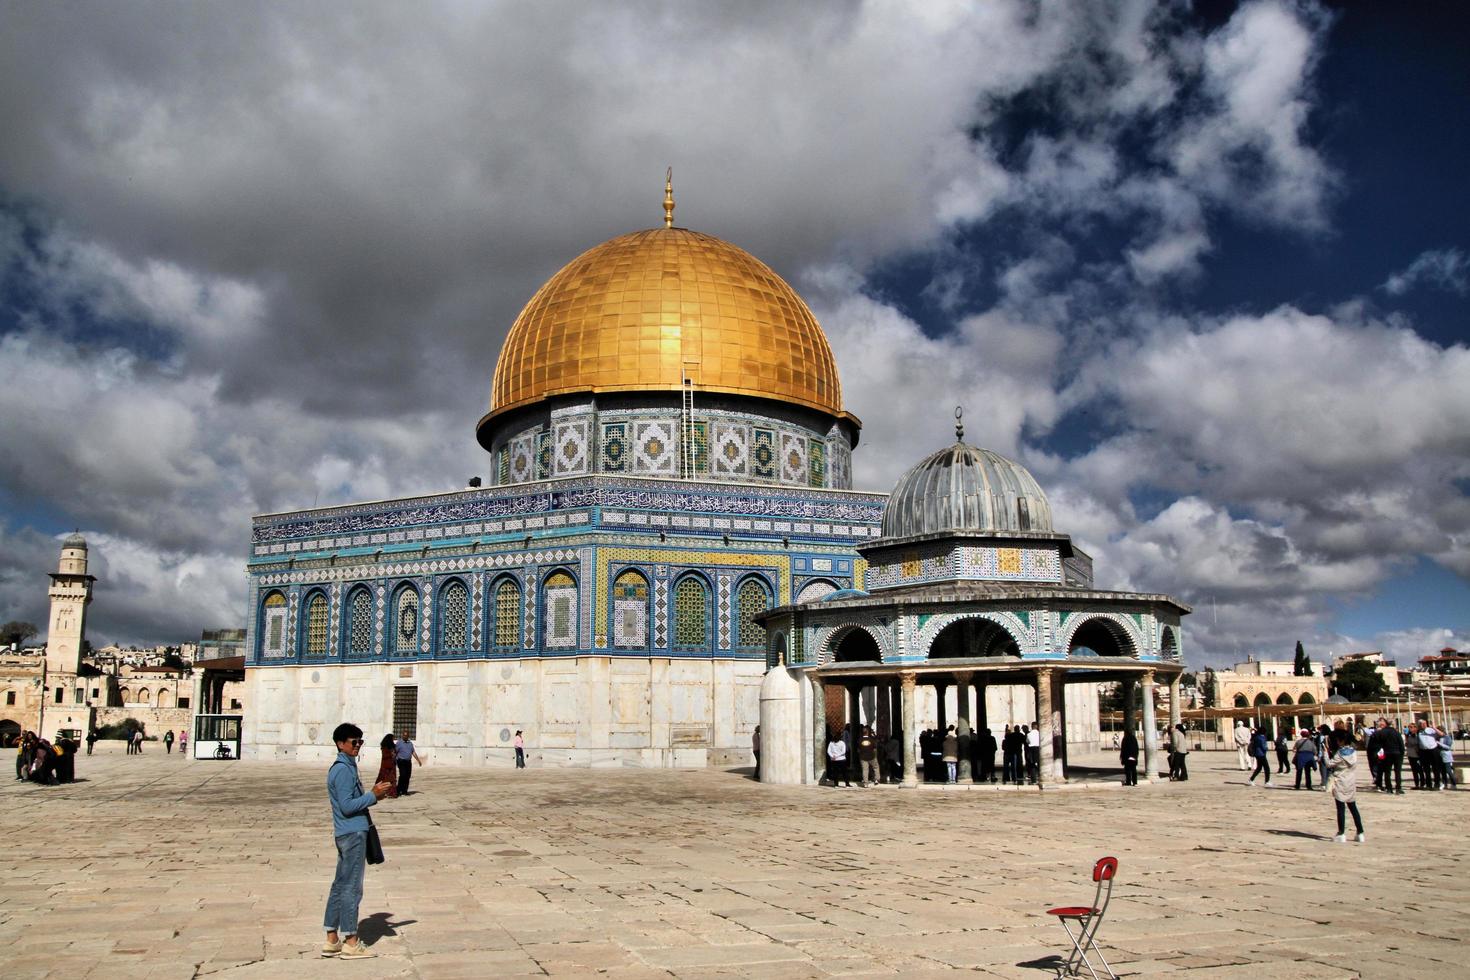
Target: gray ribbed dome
[
  {"x": 75, "y": 540},
  {"x": 962, "y": 488}
]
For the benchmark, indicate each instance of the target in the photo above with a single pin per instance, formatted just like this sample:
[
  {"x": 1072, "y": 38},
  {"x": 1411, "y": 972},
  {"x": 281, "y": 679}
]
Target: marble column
[
  {"x": 1174, "y": 703},
  {"x": 1044, "y": 720},
  {"x": 1126, "y": 689},
  {"x": 819, "y": 728},
  {"x": 855, "y": 720},
  {"x": 1150, "y": 730},
  {"x": 943, "y": 709},
  {"x": 910, "y": 770},
  {"x": 962, "y": 729}
]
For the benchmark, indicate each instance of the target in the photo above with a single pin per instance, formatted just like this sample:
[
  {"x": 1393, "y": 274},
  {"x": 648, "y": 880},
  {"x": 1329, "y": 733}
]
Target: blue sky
[{"x": 1203, "y": 268}]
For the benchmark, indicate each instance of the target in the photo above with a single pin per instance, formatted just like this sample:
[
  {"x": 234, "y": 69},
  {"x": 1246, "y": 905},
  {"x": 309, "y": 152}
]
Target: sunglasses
[{"x": 354, "y": 741}]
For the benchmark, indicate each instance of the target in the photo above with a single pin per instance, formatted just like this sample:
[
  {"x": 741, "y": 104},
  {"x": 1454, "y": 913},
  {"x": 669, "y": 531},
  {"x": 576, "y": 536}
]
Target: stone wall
[{"x": 155, "y": 721}]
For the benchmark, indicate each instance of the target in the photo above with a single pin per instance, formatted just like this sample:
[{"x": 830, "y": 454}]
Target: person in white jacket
[{"x": 1243, "y": 744}]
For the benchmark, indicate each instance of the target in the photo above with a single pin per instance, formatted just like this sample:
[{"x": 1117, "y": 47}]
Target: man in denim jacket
[{"x": 349, "y": 826}]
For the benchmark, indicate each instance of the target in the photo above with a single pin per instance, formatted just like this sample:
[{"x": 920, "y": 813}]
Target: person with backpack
[
  {"x": 168, "y": 741},
  {"x": 1304, "y": 753},
  {"x": 1258, "y": 752}
]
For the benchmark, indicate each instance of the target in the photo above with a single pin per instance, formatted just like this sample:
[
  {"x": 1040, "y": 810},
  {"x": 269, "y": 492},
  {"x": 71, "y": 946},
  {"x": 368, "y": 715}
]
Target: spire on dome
[
  {"x": 669, "y": 198},
  {"x": 959, "y": 426}
]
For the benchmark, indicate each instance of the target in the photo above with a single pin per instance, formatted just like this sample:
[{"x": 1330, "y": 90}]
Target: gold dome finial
[
  {"x": 669, "y": 198},
  {"x": 959, "y": 426}
]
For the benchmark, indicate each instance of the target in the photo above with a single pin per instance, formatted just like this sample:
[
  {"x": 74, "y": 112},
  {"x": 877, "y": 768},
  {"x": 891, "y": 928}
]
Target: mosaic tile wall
[
  {"x": 655, "y": 442},
  {"x": 976, "y": 563}
]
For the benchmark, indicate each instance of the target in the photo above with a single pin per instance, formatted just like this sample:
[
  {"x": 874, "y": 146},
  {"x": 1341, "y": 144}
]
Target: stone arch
[
  {"x": 837, "y": 638},
  {"x": 973, "y": 636},
  {"x": 145, "y": 696},
  {"x": 1263, "y": 700},
  {"x": 123, "y": 694},
  {"x": 1169, "y": 643},
  {"x": 815, "y": 589},
  {"x": 164, "y": 700},
  {"x": 777, "y": 655},
  {"x": 1241, "y": 701},
  {"x": 1284, "y": 698},
  {"x": 1007, "y": 621},
  {"x": 1103, "y": 636},
  {"x": 1122, "y": 631},
  {"x": 9, "y": 732},
  {"x": 1306, "y": 698}
]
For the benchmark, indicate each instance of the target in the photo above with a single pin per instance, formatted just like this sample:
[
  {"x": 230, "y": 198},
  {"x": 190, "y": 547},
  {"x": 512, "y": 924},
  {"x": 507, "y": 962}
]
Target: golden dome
[{"x": 637, "y": 312}]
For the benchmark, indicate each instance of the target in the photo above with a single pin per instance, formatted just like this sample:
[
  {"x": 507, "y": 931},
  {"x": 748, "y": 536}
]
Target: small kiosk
[{"x": 217, "y": 736}]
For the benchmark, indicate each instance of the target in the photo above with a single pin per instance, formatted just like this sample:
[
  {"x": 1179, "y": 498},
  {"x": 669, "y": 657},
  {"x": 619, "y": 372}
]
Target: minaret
[{"x": 71, "y": 591}]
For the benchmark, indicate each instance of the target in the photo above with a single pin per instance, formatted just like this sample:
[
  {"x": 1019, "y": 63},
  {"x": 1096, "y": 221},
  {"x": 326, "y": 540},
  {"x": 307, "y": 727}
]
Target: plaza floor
[{"x": 154, "y": 866}]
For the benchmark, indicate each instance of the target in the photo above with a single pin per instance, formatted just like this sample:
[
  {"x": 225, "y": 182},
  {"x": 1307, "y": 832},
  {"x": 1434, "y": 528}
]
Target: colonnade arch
[
  {"x": 973, "y": 636},
  {"x": 1103, "y": 637}
]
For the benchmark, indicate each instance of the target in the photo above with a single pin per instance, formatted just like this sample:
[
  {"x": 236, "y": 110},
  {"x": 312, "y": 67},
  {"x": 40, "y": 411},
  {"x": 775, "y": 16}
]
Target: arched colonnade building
[{"x": 970, "y": 597}]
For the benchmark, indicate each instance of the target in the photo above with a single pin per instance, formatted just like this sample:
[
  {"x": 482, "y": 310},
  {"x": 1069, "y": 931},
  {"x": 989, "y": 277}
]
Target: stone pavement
[{"x": 159, "y": 867}]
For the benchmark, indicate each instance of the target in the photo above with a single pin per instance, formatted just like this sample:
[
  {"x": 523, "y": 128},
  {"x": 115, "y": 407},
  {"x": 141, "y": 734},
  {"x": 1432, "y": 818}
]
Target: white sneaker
[
  {"x": 1340, "y": 839},
  {"x": 1360, "y": 838}
]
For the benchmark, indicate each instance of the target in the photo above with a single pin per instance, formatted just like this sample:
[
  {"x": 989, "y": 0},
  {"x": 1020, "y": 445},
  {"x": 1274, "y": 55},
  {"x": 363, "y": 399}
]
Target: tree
[
  {"x": 1359, "y": 680},
  {"x": 1207, "y": 687},
  {"x": 17, "y": 631},
  {"x": 1301, "y": 667}
]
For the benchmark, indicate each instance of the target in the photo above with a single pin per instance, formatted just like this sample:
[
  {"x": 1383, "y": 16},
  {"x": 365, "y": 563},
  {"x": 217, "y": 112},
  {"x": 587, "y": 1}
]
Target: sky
[{"x": 1203, "y": 268}]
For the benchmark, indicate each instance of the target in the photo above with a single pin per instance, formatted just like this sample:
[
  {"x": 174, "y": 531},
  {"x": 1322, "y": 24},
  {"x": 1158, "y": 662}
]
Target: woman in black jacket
[{"x": 1128, "y": 754}]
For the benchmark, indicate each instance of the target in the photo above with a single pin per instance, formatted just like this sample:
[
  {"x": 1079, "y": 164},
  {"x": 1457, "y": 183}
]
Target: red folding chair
[{"x": 1088, "y": 919}]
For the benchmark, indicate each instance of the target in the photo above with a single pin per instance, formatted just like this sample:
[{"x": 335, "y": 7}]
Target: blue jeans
[{"x": 346, "y": 894}]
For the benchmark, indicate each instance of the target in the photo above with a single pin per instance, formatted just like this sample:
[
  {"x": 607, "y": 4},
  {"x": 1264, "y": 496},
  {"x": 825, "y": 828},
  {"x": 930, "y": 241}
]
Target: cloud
[{"x": 1444, "y": 268}]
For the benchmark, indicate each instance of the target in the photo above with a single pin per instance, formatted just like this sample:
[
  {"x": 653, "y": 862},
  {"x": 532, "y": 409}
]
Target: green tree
[
  {"x": 17, "y": 631},
  {"x": 1207, "y": 687},
  {"x": 1359, "y": 680},
  {"x": 1301, "y": 667}
]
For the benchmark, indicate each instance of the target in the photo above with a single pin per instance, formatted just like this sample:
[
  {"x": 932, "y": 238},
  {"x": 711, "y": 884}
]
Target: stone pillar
[
  {"x": 982, "y": 712},
  {"x": 1126, "y": 690},
  {"x": 910, "y": 770},
  {"x": 1174, "y": 704},
  {"x": 1150, "y": 733},
  {"x": 1044, "y": 720},
  {"x": 819, "y": 728},
  {"x": 943, "y": 709},
  {"x": 962, "y": 728},
  {"x": 855, "y": 721}
]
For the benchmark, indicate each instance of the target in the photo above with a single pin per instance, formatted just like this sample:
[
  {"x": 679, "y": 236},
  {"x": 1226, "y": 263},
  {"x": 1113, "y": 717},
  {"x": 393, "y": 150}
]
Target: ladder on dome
[{"x": 686, "y": 423}]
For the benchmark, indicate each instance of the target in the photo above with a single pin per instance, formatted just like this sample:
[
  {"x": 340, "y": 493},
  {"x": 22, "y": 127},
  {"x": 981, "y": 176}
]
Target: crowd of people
[
  {"x": 1428, "y": 749},
  {"x": 45, "y": 761},
  {"x": 938, "y": 757},
  {"x": 396, "y": 763}
]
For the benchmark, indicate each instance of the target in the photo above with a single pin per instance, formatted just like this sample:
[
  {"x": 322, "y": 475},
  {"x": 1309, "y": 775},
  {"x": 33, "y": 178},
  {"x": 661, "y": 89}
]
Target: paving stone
[{"x": 162, "y": 867}]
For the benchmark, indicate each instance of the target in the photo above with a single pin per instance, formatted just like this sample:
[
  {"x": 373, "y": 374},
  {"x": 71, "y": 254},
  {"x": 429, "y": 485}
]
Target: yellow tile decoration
[
  {"x": 778, "y": 563},
  {"x": 635, "y": 312},
  {"x": 1009, "y": 560}
]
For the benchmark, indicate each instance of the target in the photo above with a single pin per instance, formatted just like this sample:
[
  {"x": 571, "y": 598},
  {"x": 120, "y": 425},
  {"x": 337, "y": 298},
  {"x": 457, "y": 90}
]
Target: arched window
[
  {"x": 359, "y": 623},
  {"x": 1241, "y": 701},
  {"x": 630, "y": 611},
  {"x": 315, "y": 632},
  {"x": 405, "y": 620},
  {"x": 124, "y": 695},
  {"x": 165, "y": 699},
  {"x": 454, "y": 614},
  {"x": 144, "y": 697},
  {"x": 691, "y": 614},
  {"x": 559, "y": 621},
  {"x": 507, "y": 615},
  {"x": 751, "y": 599},
  {"x": 273, "y": 626}
]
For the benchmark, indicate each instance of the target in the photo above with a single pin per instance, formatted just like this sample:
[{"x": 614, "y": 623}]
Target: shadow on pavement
[{"x": 377, "y": 926}]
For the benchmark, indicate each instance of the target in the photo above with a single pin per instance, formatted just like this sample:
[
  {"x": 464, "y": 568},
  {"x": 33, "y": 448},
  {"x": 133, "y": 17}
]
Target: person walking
[
  {"x": 1283, "y": 748},
  {"x": 407, "y": 756},
  {"x": 951, "y": 749},
  {"x": 1388, "y": 745},
  {"x": 867, "y": 757},
  {"x": 520, "y": 744},
  {"x": 1181, "y": 749},
  {"x": 1411, "y": 752},
  {"x": 183, "y": 742},
  {"x": 1428, "y": 740},
  {"x": 1343, "y": 767},
  {"x": 1258, "y": 752},
  {"x": 1304, "y": 753},
  {"x": 755, "y": 750},
  {"x": 1033, "y": 753},
  {"x": 1128, "y": 755},
  {"x": 388, "y": 763},
  {"x": 168, "y": 741},
  {"x": 350, "y": 823},
  {"x": 92, "y": 740},
  {"x": 837, "y": 761},
  {"x": 1242, "y": 744},
  {"x": 1447, "y": 758}
]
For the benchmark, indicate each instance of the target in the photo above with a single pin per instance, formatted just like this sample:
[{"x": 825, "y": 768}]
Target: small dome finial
[
  {"x": 959, "y": 426},
  {"x": 669, "y": 198}
]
